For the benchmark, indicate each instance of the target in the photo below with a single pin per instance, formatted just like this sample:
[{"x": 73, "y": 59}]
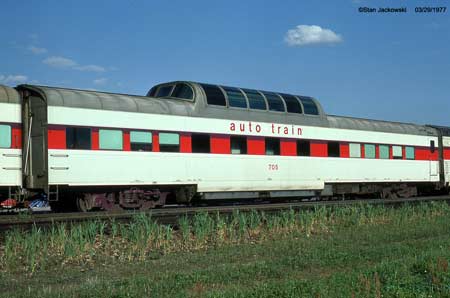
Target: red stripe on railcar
[
  {"x": 319, "y": 148},
  {"x": 403, "y": 152},
  {"x": 424, "y": 153},
  {"x": 16, "y": 134},
  {"x": 220, "y": 144},
  {"x": 56, "y": 137},
  {"x": 256, "y": 146},
  {"x": 344, "y": 149},
  {"x": 363, "y": 151},
  {"x": 377, "y": 151},
  {"x": 126, "y": 140},
  {"x": 446, "y": 153},
  {"x": 95, "y": 143},
  {"x": 391, "y": 152},
  {"x": 185, "y": 143},
  {"x": 155, "y": 140},
  {"x": 288, "y": 147}
]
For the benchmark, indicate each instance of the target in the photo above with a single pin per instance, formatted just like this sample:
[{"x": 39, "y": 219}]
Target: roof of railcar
[
  {"x": 76, "y": 98},
  {"x": 379, "y": 125},
  {"x": 9, "y": 95},
  {"x": 88, "y": 99}
]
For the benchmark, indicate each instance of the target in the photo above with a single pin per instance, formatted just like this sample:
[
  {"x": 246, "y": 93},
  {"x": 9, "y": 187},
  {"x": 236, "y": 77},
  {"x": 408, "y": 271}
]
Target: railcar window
[
  {"x": 409, "y": 152},
  {"x": 384, "y": 151},
  {"x": 183, "y": 91},
  {"x": 141, "y": 141},
  {"x": 238, "y": 145},
  {"x": 292, "y": 104},
  {"x": 272, "y": 146},
  {"x": 200, "y": 143},
  {"x": 110, "y": 139},
  {"x": 397, "y": 152},
  {"x": 355, "y": 150},
  {"x": 214, "y": 96},
  {"x": 333, "y": 149},
  {"x": 152, "y": 91},
  {"x": 5, "y": 136},
  {"x": 235, "y": 97},
  {"x": 369, "y": 151},
  {"x": 303, "y": 148},
  {"x": 169, "y": 142},
  {"x": 255, "y": 100},
  {"x": 275, "y": 102},
  {"x": 432, "y": 146},
  {"x": 164, "y": 91},
  {"x": 78, "y": 138},
  {"x": 309, "y": 106}
]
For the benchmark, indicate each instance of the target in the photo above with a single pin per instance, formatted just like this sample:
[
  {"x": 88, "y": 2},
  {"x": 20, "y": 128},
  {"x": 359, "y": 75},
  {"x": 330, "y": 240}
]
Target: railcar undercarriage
[
  {"x": 144, "y": 198},
  {"x": 140, "y": 198}
]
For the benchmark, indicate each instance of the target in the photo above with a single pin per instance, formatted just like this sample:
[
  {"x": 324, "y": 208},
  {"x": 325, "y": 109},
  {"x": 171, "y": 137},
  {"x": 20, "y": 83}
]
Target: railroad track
[{"x": 171, "y": 215}]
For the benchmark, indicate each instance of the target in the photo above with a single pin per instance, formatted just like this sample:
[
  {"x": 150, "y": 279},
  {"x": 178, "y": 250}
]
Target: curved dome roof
[{"x": 238, "y": 98}]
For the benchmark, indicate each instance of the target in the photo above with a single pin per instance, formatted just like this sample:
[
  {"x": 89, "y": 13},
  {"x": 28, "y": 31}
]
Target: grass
[{"x": 361, "y": 251}]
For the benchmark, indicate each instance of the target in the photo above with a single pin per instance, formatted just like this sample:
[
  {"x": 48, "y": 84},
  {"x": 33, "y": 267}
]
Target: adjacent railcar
[
  {"x": 444, "y": 147},
  {"x": 10, "y": 143},
  {"x": 191, "y": 140}
]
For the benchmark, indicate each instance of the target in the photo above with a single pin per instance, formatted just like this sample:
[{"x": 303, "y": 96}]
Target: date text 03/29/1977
[{"x": 418, "y": 9}]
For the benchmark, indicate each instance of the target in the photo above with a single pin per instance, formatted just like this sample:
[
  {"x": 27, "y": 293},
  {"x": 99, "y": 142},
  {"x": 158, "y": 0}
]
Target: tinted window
[
  {"x": 333, "y": 149},
  {"x": 5, "y": 136},
  {"x": 255, "y": 100},
  {"x": 110, "y": 139},
  {"x": 152, "y": 91},
  {"x": 78, "y": 138},
  {"x": 369, "y": 151},
  {"x": 409, "y": 152},
  {"x": 169, "y": 142},
  {"x": 292, "y": 104},
  {"x": 432, "y": 146},
  {"x": 309, "y": 106},
  {"x": 275, "y": 102},
  {"x": 238, "y": 145},
  {"x": 183, "y": 91},
  {"x": 214, "y": 96},
  {"x": 200, "y": 143},
  {"x": 235, "y": 97},
  {"x": 164, "y": 91},
  {"x": 272, "y": 146},
  {"x": 141, "y": 141},
  {"x": 355, "y": 150},
  {"x": 397, "y": 152},
  {"x": 384, "y": 151},
  {"x": 303, "y": 148}
]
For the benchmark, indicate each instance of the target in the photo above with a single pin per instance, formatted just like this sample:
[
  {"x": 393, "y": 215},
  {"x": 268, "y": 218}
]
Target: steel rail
[{"x": 171, "y": 215}]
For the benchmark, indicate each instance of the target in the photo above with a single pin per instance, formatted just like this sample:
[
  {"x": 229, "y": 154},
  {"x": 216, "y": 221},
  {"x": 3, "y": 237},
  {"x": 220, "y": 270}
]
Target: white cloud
[
  {"x": 13, "y": 79},
  {"x": 36, "y": 50},
  {"x": 90, "y": 67},
  {"x": 304, "y": 35},
  {"x": 59, "y": 62},
  {"x": 100, "y": 81},
  {"x": 62, "y": 62}
]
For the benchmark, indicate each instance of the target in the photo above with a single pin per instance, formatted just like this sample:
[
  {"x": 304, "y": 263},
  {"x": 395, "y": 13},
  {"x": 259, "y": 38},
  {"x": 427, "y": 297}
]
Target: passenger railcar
[
  {"x": 10, "y": 143},
  {"x": 187, "y": 140}
]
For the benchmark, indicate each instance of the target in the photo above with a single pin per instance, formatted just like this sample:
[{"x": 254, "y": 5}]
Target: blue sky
[{"x": 380, "y": 66}]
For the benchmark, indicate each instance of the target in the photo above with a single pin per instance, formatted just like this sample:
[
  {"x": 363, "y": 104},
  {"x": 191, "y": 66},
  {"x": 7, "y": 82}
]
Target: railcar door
[
  {"x": 35, "y": 140},
  {"x": 434, "y": 164}
]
